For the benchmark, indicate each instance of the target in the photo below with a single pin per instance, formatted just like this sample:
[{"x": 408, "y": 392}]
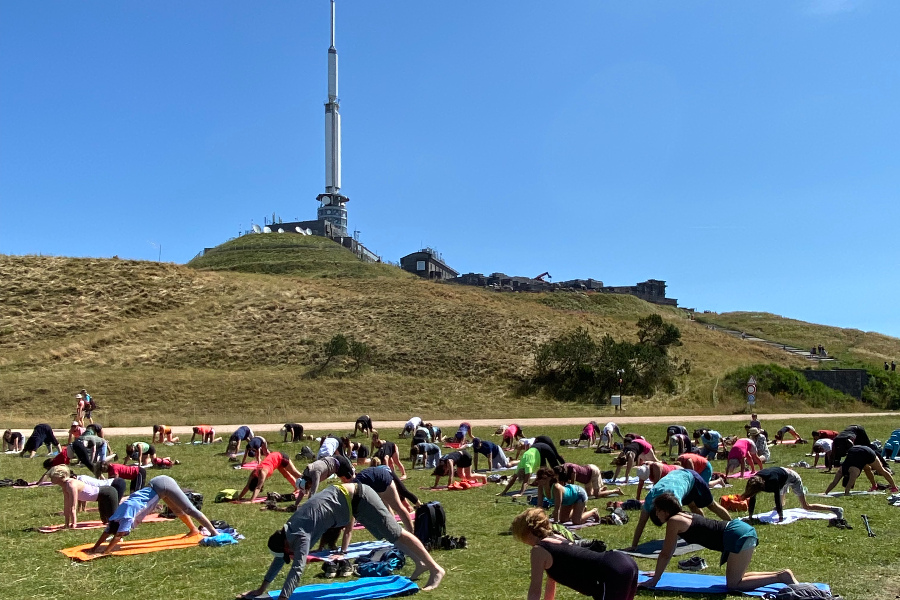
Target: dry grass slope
[{"x": 216, "y": 340}]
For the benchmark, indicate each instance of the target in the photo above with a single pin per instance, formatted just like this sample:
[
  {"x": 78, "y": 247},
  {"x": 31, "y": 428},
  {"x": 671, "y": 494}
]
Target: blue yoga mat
[
  {"x": 354, "y": 550},
  {"x": 367, "y": 587},
  {"x": 691, "y": 583}
]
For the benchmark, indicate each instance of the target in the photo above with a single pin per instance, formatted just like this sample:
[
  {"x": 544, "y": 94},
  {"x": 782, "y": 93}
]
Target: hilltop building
[{"x": 427, "y": 263}]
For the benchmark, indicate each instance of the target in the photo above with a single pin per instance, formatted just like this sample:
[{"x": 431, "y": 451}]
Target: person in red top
[
  {"x": 696, "y": 463},
  {"x": 275, "y": 461},
  {"x": 824, "y": 433},
  {"x": 62, "y": 458},
  {"x": 654, "y": 471},
  {"x": 136, "y": 475},
  {"x": 207, "y": 434}
]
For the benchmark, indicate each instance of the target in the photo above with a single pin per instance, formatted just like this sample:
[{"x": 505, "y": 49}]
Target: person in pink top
[
  {"x": 510, "y": 435},
  {"x": 589, "y": 432},
  {"x": 737, "y": 457},
  {"x": 637, "y": 451},
  {"x": 654, "y": 471}
]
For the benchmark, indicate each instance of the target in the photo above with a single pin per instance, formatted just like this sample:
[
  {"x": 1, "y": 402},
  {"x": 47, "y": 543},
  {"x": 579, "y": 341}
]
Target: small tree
[
  {"x": 336, "y": 346},
  {"x": 361, "y": 353}
]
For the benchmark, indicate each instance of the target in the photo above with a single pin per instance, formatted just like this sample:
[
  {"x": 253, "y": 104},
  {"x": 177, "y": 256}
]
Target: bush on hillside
[
  {"x": 883, "y": 389},
  {"x": 574, "y": 366},
  {"x": 777, "y": 380}
]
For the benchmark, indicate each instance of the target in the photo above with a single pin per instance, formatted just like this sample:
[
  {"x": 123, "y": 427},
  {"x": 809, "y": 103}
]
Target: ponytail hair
[{"x": 533, "y": 521}]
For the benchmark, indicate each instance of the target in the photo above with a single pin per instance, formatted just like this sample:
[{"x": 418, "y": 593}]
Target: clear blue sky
[{"x": 746, "y": 152}]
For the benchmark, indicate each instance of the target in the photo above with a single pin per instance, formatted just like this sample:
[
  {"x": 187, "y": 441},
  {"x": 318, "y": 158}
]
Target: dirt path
[{"x": 340, "y": 426}]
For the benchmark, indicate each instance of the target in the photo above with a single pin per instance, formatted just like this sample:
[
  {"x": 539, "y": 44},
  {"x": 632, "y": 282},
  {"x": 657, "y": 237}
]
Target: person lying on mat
[
  {"x": 611, "y": 575},
  {"x": 293, "y": 431},
  {"x": 41, "y": 435},
  {"x": 410, "y": 427},
  {"x": 142, "y": 452},
  {"x": 257, "y": 448},
  {"x": 494, "y": 454},
  {"x": 315, "y": 473},
  {"x": 742, "y": 450},
  {"x": 860, "y": 459},
  {"x": 430, "y": 454},
  {"x": 77, "y": 492},
  {"x": 635, "y": 452},
  {"x": 207, "y": 434},
  {"x": 689, "y": 488},
  {"x": 569, "y": 500},
  {"x": 363, "y": 425},
  {"x": 339, "y": 506},
  {"x": 653, "y": 471},
  {"x": 823, "y": 447},
  {"x": 389, "y": 455},
  {"x": 13, "y": 441},
  {"x": 276, "y": 461},
  {"x": 736, "y": 540},
  {"x": 777, "y": 480},
  {"x": 164, "y": 432},
  {"x": 606, "y": 435},
  {"x": 241, "y": 434},
  {"x": 587, "y": 475},
  {"x": 133, "y": 509},
  {"x": 395, "y": 495},
  {"x": 458, "y": 463},
  {"x": 787, "y": 429}
]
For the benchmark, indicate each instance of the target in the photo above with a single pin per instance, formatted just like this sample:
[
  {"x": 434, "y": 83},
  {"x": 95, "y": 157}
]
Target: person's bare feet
[
  {"x": 417, "y": 572},
  {"x": 434, "y": 580}
]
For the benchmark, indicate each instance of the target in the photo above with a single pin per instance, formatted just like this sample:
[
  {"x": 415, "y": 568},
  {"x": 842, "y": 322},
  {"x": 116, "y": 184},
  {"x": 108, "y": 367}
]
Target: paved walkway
[{"x": 342, "y": 426}]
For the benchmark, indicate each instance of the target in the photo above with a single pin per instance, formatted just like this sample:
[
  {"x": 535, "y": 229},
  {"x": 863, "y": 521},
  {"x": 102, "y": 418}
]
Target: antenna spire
[{"x": 332, "y": 23}]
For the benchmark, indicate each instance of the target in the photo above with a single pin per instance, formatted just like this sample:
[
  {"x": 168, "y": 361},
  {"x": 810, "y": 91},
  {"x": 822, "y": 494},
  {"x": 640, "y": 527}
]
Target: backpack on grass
[
  {"x": 802, "y": 591},
  {"x": 431, "y": 524}
]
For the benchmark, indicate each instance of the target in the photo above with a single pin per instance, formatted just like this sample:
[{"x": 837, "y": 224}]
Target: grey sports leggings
[{"x": 169, "y": 492}]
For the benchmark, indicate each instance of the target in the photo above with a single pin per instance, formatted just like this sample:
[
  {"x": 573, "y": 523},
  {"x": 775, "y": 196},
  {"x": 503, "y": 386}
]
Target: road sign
[
  {"x": 751, "y": 389},
  {"x": 751, "y": 399},
  {"x": 751, "y": 381}
]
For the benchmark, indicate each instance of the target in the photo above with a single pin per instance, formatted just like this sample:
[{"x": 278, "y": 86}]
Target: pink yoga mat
[
  {"x": 259, "y": 500},
  {"x": 454, "y": 445},
  {"x": 249, "y": 465},
  {"x": 444, "y": 488}
]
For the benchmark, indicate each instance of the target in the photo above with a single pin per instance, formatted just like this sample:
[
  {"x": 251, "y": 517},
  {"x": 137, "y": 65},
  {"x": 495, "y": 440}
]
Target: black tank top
[
  {"x": 459, "y": 458},
  {"x": 708, "y": 533},
  {"x": 586, "y": 571}
]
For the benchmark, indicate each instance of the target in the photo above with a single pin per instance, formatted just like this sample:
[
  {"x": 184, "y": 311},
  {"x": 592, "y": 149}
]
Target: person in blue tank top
[{"x": 569, "y": 500}]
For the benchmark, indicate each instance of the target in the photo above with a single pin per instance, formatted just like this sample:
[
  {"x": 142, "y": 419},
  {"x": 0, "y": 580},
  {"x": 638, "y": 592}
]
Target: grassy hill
[{"x": 223, "y": 339}]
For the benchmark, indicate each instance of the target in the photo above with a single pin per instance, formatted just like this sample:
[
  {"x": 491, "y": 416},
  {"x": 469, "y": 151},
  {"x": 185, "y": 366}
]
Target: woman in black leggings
[
  {"x": 293, "y": 431},
  {"x": 363, "y": 425},
  {"x": 41, "y": 436},
  {"x": 543, "y": 439},
  {"x": 602, "y": 575},
  {"x": 549, "y": 456}
]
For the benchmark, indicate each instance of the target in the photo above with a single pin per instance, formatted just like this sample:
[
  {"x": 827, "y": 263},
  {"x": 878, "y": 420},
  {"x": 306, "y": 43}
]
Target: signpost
[{"x": 751, "y": 391}]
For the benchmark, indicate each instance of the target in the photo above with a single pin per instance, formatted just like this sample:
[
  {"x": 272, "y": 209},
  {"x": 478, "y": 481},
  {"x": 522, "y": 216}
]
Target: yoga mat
[
  {"x": 249, "y": 465},
  {"x": 568, "y": 525},
  {"x": 97, "y": 524},
  {"x": 32, "y": 485},
  {"x": 744, "y": 475},
  {"x": 852, "y": 493},
  {"x": 455, "y": 445},
  {"x": 633, "y": 480},
  {"x": 495, "y": 470},
  {"x": 124, "y": 548},
  {"x": 792, "y": 515},
  {"x": 787, "y": 442},
  {"x": 653, "y": 548},
  {"x": 354, "y": 550},
  {"x": 444, "y": 488},
  {"x": 358, "y": 589},
  {"x": 259, "y": 500},
  {"x": 691, "y": 583}
]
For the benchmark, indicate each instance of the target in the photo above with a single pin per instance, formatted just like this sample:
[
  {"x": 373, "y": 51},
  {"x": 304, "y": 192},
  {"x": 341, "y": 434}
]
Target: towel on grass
[
  {"x": 358, "y": 589},
  {"x": 455, "y": 445},
  {"x": 633, "y": 480},
  {"x": 128, "y": 548},
  {"x": 692, "y": 583},
  {"x": 792, "y": 515},
  {"x": 444, "y": 488},
  {"x": 97, "y": 524},
  {"x": 652, "y": 549},
  {"x": 354, "y": 550}
]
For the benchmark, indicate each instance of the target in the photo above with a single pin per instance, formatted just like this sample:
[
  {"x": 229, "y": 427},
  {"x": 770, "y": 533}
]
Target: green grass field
[{"x": 494, "y": 567}]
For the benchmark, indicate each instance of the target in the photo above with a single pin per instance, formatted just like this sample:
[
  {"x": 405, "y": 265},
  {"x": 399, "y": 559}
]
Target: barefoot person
[
  {"x": 860, "y": 459},
  {"x": 740, "y": 452},
  {"x": 587, "y": 475},
  {"x": 569, "y": 500},
  {"x": 41, "y": 435},
  {"x": 293, "y": 431},
  {"x": 164, "y": 433},
  {"x": 736, "y": 540},
  {"x": 77, "y": 492},
  {"x": 777, "y": 481},
  {"x": 275, "y": 461},
  {"x": 636, "y": 452},
  {"x": 605, "y": 575},
  {"x": 339, "y": 506},
  {"x": 207, "y": 434},
  {"x": 652, "y": 471},
  {"x": 363, "y": 425},
  {"x": 457, "y": 463}
]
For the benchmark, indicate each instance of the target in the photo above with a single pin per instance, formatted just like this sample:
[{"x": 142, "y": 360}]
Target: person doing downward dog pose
[
  {"x": 736, "y": 540},
  {"x": 77, "y": 492},
  {"x": 860, "y": 459},
  {"x": 13, "y": 441},
  {"x": 587, "y": 475},
  {"x": 430, "y": 453},
  {"x": 528, "y": 465},
  {"x": 855, "y": 435},
  {"x": 390, "y": 455},
  {"x": 388, "y": 486},
  {"x": 740, "y": 451},
  {"x": 654, "y": 471},
  {"x": 823, "y": 447},
  {"x": 164, "y": 432},
  {"x": 257, "y": 448},
  {"x": 509, "y": 435},
  {"x": 410, "y": 427},
  {"x": 637, "y": 451},
  {"x": 328, "y": 446},
  {"x": 464, "y": 432},
  {"x": 689, "y": 489},
  {"x": 569, "y": 500},
  {"x": 317, "y": 472},
  {"x": 363, "y": 425},
  {"x": 588, "y": 433},
  {"x": 457, "y": 463},
  {"x": 672, "y": 439},
  {"x": 494, "y": 453},
  {"x": 142, "y": 452},
  {"x": 787, "y": 429},
  {"x": 777, "y": 480},
  {"x": 133, "y": 509},
  {"x": 339, "y": 506},
  {"x": 606, "y": 436},
  {"x": 241, "y": 434},
  {"x": 42, "y": 435},
  {"x": 549, "y": 454},
  {"x": 207, "y": 434},
  {"x": 276, "y": 461},
  {"x": 601, "y": 575},
  {"x": 293, "y": 431}
]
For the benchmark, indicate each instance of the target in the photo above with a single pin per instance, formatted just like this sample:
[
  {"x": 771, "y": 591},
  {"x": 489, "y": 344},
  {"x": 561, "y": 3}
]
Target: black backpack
[
  {"x": 431, "y": 524},
  {"x": 802, "y": 591}
]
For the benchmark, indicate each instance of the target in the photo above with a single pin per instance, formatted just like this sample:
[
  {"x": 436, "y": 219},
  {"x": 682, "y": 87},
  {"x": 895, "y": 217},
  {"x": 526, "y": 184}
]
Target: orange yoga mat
[
  {"x": 98, "y": 524},
  {"x": 126, "y": 548}
]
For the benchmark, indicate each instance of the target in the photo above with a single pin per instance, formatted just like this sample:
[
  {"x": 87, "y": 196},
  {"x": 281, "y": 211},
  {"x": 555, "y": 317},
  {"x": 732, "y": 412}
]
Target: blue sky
[{"x": 746, "y": 152}]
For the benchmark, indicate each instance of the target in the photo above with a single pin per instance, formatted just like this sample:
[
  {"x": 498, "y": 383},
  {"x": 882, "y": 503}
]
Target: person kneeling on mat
[
  {"x": 339, "y": 506},
  {"x": 736, "y": 540},
  {"x": 141, "y": 503}
]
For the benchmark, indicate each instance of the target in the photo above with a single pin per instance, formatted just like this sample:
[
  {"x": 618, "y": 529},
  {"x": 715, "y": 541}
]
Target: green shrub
[{"x": 782, "y": 381}]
